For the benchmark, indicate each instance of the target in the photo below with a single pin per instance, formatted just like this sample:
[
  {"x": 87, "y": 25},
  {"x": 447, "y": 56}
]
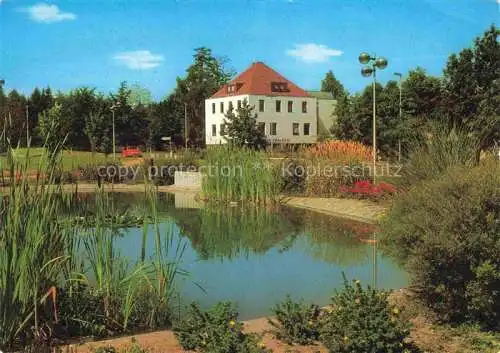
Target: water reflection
[{"x": 255, "y": 256}]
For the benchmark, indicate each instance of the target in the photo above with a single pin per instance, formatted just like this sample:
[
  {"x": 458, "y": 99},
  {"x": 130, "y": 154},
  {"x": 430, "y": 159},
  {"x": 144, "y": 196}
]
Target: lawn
[{"x": 70, "y": 159}]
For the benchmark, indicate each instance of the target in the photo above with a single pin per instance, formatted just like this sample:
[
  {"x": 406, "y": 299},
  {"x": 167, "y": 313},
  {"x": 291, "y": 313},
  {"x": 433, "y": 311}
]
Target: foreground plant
[
  {"x": 295, "y": 322},
  {"x": 362, "y": 320},
  {"x": 446, "y": 230},
  {"x": 215, "y": 331}
]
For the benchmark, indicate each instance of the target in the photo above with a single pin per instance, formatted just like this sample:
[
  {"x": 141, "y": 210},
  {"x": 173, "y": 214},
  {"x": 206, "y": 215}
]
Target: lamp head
[
  {"x": 366, "y": 71},
  {"x": 381, "y": 63},
  {"x": 364, "y": 58}
]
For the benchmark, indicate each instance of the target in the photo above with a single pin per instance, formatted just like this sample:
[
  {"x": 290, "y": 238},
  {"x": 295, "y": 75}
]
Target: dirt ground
[{"x": 430, "y": 338}]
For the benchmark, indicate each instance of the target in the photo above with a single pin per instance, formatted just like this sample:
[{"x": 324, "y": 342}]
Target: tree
[
  {"x": 422, "y": 95},
  {"x": 163, "y": 121},
  {"x": 139, "y": 96},
  {"x": 39, "y": 102},
  {"x": 241, "y": 128},
  {"x": 13, "y": 119},
  {"x": 471, "y": 88},
  {"x": 130, "y": 122},
  {"x": 332, "y": 85},
  {"x": 77, "y": 106},
  {"x": 204, "y": 77},
  {"x": 51, "y": 128}
]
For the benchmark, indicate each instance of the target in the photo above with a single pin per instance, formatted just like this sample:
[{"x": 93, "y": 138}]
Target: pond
[{"x": 256, "y": 256}]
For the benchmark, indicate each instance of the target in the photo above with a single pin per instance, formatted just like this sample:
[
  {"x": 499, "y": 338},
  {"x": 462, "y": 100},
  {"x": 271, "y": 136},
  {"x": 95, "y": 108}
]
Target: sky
[{"x": 65, "y": 44}]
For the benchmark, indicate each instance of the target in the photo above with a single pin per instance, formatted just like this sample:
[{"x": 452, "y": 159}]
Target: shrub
[
  {"x": 333, "y": 164},
  {"x": 296, "y": 322},
  {"x": 293, "y": 177},
  {"x": 447, "y": 231},
  {"x": 365, "y": 189},
  {"x": 215, "y": 331},
  {"x": 361, "y": 320},
  {"x": 161, "y": 171}
]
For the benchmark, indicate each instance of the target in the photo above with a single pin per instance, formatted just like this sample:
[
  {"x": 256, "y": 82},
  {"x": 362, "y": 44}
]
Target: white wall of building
[
  {"x": 326, "y": 118},
  {"x": 284, "y": 119}
]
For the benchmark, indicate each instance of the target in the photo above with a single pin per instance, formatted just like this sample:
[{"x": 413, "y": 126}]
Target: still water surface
[{"x": 256, "y": 256}]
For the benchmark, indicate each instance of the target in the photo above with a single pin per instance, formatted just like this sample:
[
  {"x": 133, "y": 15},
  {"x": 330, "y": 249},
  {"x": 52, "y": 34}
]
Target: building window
[
  {"x": 262, "y": 127},
  {"x": 304, "y": 107},
  {"x": 295, "y": 129},
  {"x": 222, "y": 107},
  {"x": 272, "y": 129},
  {"x": 307, "y": 129},
  {"x": 239, "y": 104},
  {"x": 213, "y": 108},
  {"x": 290, "y": 106},
  {"x": 222, "y": 129},
  {"x": 278, "y": 106},
  {"x": 261, "y": 105},
  {"x": 230, "y": 105},
  {"x": 214, "y": 130},
  {"x": 279, "y": 87},
  {"x": 231, "y": 89}
]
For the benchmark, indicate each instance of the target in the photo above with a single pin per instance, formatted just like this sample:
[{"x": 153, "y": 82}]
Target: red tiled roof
[{"x": 257, "y": 80}]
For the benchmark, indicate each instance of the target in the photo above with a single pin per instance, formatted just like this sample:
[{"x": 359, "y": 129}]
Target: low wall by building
[{"x": 187, "y": 179}]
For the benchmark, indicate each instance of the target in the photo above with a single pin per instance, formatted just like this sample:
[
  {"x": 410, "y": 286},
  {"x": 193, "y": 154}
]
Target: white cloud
[
  {"x": 313, "y": 53},
  {"x": 47, "y": 13},
  {"x": 139, "y": 59}
]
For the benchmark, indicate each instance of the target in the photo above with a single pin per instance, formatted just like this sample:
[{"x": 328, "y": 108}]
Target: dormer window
[
  {"x": 231, "y": 88},
  {"x": 279, "y": 87}
]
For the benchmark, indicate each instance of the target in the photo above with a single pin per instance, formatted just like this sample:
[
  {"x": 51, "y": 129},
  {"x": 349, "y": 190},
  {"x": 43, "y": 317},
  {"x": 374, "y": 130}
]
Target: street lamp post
[
  {"x": 372, "y": 63},
  {"x": 113, "y": 108},
  {"x": 400, "y": 75}
]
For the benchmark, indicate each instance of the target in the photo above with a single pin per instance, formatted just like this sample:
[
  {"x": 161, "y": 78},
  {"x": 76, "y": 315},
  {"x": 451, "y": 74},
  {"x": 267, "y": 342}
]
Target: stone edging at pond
[{"x": 358, "y": 210}]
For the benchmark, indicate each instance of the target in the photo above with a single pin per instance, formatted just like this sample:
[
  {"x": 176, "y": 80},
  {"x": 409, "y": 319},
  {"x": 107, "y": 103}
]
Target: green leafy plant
[
  {"x": 446, "y": 231},
  {"x": 295, "y": 322},
  {"x": 215, "y": 331},
  {"x": 362, "y": 320}
]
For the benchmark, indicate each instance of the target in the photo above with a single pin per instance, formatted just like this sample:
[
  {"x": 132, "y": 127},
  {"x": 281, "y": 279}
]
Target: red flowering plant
[{"x": 365, "y": 189}]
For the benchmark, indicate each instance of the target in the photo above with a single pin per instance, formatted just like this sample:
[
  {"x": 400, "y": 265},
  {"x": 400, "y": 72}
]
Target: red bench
[{"x": 131, "y": 152}]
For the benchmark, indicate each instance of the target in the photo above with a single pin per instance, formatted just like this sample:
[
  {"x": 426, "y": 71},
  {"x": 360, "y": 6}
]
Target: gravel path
[{"x": 359, "y": 210}]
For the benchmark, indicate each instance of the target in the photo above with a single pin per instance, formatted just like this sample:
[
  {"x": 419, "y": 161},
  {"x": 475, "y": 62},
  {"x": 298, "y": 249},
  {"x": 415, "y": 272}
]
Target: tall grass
[
  {"x": 438, "y": 151},
  {"x": 240, "y": 174},
  {"x": 334, "y": 164},
  {"x": 57, "y": 279},
  {"x": 33, "y": 251}
]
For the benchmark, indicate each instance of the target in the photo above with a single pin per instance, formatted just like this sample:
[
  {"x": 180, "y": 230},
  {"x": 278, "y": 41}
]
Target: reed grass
[
  {"x": 240, "y": 174},
  {"x": 49, "y": 270}
]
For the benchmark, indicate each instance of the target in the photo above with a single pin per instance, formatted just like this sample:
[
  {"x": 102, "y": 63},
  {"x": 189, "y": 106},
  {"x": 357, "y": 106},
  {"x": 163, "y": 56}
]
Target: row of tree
[
  {"x": 466, "y": 97},
  {"x": 83, "y": 117}
]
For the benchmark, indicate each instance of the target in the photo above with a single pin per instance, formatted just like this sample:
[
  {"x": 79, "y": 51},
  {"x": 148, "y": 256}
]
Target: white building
[{"x": 286, "y": 113}]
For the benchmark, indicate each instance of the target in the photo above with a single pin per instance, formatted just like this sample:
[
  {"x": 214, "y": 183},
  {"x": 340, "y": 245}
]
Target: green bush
[
  {"x": 215, "y": 331},
  {"x": 447, "y": 231},
  {"x": 361, "y": 320},
  {"x": 296, "y": 322}
]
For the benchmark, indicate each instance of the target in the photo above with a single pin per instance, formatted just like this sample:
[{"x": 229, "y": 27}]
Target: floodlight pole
[
  {"x": 374, "y": 123},
  {"x": 400, "y": 111},
  {"x": 372, "y": 64},
  {"x": 113, "y": 108}
]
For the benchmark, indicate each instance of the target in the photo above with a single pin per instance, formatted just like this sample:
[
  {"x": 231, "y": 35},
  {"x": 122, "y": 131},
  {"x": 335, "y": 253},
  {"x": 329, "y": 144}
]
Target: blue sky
[{"x": 99, "y": 43}]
